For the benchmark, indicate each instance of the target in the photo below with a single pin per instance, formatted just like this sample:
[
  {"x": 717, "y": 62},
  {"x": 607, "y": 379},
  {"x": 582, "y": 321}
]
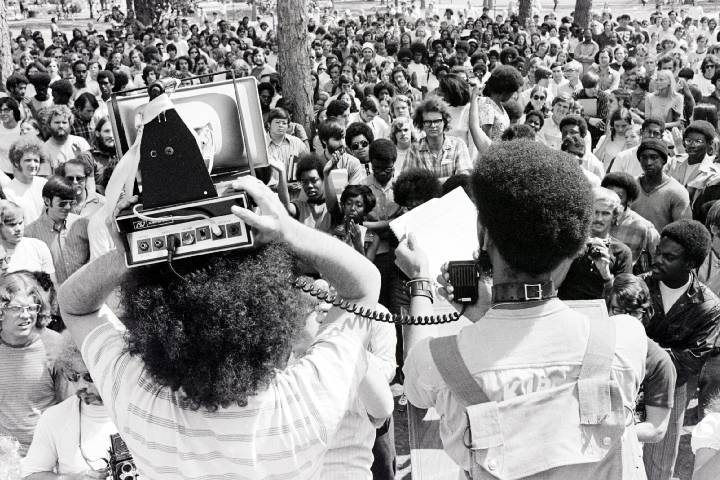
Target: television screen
[{"x": 225, "y": 116}]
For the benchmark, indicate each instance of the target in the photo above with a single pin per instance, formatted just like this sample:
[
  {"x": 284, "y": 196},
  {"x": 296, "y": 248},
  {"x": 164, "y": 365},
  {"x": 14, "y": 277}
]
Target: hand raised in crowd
[{"x": 600, "y": 255}]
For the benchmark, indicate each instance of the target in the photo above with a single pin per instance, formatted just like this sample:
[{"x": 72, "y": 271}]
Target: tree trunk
[
  {"x": 144, "y": 11},
  {"x": 6, "y": 63},
  {"x": 294, "y": 63},
  {"x": 524, "y": 12},
  {"x": 582, "y": 12}
]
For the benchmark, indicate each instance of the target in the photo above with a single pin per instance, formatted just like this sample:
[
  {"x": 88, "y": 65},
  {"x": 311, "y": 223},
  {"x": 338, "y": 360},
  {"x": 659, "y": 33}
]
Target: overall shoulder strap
[
  {"x": 594, "y": 394},
  {"x": 453, "y": 370}
]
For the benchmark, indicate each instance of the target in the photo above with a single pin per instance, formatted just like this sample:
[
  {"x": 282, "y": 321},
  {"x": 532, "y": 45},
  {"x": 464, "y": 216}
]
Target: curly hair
[
  {"x": 416, "y": 185},
  {"x": 554, "y": 214},
  {"x": 358, "y": 128},
  {"x": 363, "y": 191},
  {"x": 431, "y": 104},
  {"x": 632, "y": 293},
  {"x": 573, "y": 119},
  {"x": 27, "y": 144},
  {"x": 59, "y": 111},
  {"x": 309, "y": 161},
  {"x": 692, "y": 236},
  {"x": 516, "y": 132},
  {"x": 504, "y": 79},
  {"x": 625, "y": 181},
  {"x": 219, "y": 334}
]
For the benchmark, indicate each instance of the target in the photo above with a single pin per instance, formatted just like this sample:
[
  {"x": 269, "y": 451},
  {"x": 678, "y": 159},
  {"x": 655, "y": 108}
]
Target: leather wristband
[{"x": 420, "y": 287}]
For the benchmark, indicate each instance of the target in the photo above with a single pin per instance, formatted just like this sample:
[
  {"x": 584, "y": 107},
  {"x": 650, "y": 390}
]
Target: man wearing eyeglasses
[
  {"x": 696, "y": 168},
  {"x": 79, "y": 172},
  {"x": 63, "y": 232},
  {"x": 72, "y": 438},
  {"x": 30, "y": 382}
]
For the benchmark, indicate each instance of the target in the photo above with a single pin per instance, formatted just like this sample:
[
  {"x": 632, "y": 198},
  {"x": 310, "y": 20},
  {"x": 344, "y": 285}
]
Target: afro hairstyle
[
  {"x": 416, "y": 184},
  {"x": 217, "y": 335},
  {"x": 692, "y": 236},
  {"x": 522, "y": 185},
  {"x": 625, "y": 181}
]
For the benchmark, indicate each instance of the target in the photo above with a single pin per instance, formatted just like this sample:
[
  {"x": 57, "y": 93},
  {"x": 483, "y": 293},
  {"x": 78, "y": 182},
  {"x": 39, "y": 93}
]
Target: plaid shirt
[
  {"x": 637, "y": 233},
  {"x": 689, "y": 330},
  {"x": 69, "y": 244},
  {"x": 82, "y": 129},
  {"x": 454, "y": 158}
]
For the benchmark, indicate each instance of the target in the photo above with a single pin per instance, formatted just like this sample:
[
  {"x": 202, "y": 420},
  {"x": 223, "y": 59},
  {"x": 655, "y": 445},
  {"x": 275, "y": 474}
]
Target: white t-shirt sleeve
[
  {"x": 46, "y": 260},
  {"x": 707, "y": 433},
  {"x": 329, "y": 375},
  {"x": 419, "y": 368},
  {"x": 42, "y": 454}
]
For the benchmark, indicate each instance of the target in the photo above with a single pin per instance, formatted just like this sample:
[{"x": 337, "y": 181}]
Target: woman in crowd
[
  {"x": 616, "y": 141},
  {"x": 665, "y": 102}
]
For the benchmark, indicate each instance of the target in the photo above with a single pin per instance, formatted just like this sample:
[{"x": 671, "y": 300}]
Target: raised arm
[{"x": 480, "y": 138}]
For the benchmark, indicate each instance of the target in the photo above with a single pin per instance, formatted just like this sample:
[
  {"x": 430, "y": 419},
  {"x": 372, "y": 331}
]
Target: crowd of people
[{"x": 591, "y": 153}]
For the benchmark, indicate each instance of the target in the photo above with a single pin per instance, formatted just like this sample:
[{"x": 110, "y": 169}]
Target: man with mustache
[
  {"x": 72, "y": 438},
  {"x": 62, "y": 146},
  {"x": 595, "y": 268}
]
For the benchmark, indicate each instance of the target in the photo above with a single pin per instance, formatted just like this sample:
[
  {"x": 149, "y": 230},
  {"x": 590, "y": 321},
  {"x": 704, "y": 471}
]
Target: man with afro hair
[
  {"x": 524, "y": 341},
  {"x": 685, "y": 323}
]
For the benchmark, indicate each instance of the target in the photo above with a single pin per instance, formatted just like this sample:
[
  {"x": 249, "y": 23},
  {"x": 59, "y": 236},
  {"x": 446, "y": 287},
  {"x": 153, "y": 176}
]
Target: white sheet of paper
[{"x": 445, "y": 228}]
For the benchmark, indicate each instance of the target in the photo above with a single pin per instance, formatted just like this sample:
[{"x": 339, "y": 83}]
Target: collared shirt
[
  {"x": 454, "y": 158},
  {"x": 82, "y": 129},
  {"x": 692, "y": 175},
  {"x": 68, "y": 244},
  {"x": 385, "y": 206},
  {"x": 689, "y": 330},
  {"x": 286, "y": 151},
  {"x": 637, "y": 233},
  {"x": 93, "y": 203}
]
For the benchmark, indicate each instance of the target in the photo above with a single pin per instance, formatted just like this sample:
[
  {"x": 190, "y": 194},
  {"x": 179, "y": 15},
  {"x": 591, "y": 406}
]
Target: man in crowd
[
  {"x": 62, "y": 145},
  {"x": 442, "y": 154},
  {"x": 216, "y": 350},
  {"x": 63, "y": 232},
  {"x": 662, "y": 199},
  {"x": 72, "y": 438},
  {"x": 332, "y": 138},
  {"x": 592, "y": 273},
  {"x": 283, "y": 147},
  {"x": 630, "y": 228},
  {"x": 627, "y": 160},
  {"x": 685, "y": 322},
  {"x": 81, "y": 175},
  {"x": 527, "y": 268}
]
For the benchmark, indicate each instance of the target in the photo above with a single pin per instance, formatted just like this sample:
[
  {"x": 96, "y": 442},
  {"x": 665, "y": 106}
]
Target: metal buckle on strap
[{"x": 533, "y": 291}]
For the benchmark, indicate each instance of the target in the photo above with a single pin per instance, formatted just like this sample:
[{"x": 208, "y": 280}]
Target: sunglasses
[
  {"x": 74, "y": 377},
  {"x": 535, "y": 97},
  {"x": 359, "y": 145},
  {"x": 67, "y": 203},
  {"x": 76, "y": 178}
]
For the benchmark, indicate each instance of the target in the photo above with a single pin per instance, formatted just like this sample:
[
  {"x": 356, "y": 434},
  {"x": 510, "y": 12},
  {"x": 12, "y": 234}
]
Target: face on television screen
[{"x": 225, "y": 117}]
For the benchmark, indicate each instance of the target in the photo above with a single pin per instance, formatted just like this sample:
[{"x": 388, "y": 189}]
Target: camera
[
  {"x": 122, "y": 466},
  {"x": 594, "y": 251}
]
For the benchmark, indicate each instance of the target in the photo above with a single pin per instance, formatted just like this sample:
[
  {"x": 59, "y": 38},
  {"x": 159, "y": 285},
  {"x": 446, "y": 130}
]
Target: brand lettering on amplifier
[{"x": 143, "y": 224}]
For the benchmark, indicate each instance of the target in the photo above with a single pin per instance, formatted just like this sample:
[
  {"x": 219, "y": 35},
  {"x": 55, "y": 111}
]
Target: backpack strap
[
  {"x": 453, "y": 370},
  {"x": 594, "y": 379}
]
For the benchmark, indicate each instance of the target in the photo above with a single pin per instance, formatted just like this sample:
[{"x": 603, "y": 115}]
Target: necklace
[{"x": 87, "y": 460}]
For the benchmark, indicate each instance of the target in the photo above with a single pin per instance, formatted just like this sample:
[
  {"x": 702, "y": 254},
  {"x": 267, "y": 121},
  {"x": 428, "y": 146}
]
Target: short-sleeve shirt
[
  {"x": 660, "y": 376},
  {"x": 33, "y": 255},
  {"x": 28, "y": 197},
  {"x": 313, "y": 215},
  {"x": 511, "y": 353},
  {"x": 454, "y": 158},
  {"x": 707, "y": 433},
  {"x": 490, "y": 113},
  {"x": 59, "y": 154},
  {"x": 283, "y": 432}
]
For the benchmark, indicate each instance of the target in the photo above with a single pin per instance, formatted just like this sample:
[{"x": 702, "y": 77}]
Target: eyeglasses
[
  {"x": 637, "y": 312},
  {"x": 432, "y": 123},
  {"x": 5, "y": 110},
  {"x": 359, "y": 145},
  {"x": 693, "y": 142},
  {"x": 537, "y": 97},
  {"x": 19, "y": 309},
  {"x": 67, "y": 203},
  {"x": 76, "y": 178},
  {"x": 75, "y": 376}
]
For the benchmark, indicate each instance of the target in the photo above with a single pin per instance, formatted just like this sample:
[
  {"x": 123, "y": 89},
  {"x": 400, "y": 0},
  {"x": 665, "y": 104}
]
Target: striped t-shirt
[{"x": 283, "y": 432}]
